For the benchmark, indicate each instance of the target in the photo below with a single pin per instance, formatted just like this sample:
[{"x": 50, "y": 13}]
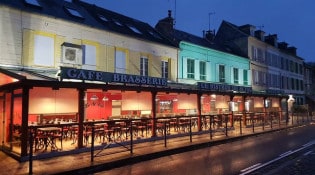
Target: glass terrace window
[
  {"x": 164, "y": 69},
  {"x": 202, "y": 69},
  {"x": 221, "y": 73},
  {"x": 235, "y": 75},
  {"x": 190, "y": 68},
  {"x": 144, "y": 66}
]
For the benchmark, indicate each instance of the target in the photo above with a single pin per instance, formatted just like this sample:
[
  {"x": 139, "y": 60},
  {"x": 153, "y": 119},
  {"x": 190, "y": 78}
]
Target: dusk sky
[{"x": 292, "y": 20}]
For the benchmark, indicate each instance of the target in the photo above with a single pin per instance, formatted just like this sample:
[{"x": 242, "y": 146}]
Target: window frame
[
  {"x": 236, "y": 75},
  {"x": 190, "y": 68},
  {"x": 164, "y": 69},
  {"x": 245, "y": 77},
  {"x": 202, "y": 70},
  {"x": 222, "y": 73},
  {"x": 144, "y": 66},
  {"x": 119, "y": 67}
]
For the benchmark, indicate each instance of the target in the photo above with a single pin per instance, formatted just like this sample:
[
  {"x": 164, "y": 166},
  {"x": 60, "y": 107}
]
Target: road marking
[
  {"x": 307, "y": 153},
  {"x": 285, "y": 154},
  {"x": 258, "y": 166},
  {"x": 308, "y": 144},
  {"x": 251, "y": 167}
]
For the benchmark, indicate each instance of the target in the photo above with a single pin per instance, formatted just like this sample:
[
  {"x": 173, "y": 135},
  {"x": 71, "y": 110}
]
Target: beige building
[
  {"x": 276, "y": 68},
  {"x": 31, "y": 40}
]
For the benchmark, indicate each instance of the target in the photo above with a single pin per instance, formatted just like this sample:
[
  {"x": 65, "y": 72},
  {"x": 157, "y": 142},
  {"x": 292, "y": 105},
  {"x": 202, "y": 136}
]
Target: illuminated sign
[
  {"x": 90, "y": 75},
  {"x": 223, "y": 87}
]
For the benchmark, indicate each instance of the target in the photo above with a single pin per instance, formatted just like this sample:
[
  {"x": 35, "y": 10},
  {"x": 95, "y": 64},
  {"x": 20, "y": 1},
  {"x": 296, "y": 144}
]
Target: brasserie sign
[
  {"x": 223, "y": 87},
  {"x": 107, "y": 77}
]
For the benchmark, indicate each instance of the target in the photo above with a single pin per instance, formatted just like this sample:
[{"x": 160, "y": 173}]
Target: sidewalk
[{"x": 119, "y": 156}]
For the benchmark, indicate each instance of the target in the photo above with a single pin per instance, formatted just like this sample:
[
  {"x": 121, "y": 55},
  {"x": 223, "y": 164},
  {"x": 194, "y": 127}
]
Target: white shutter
[
  {"x": 208, "y": 71},
  {"x": 184, "y": 68},
  {"x": 44, "y": 50}
]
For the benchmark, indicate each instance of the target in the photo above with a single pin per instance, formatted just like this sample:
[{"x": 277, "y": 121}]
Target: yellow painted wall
[
  {"x": 101, "y": 60},
  {"x": 110, "y": 55},
  {"x": 58, "y": 51},
  {"x": 27, "y": 51},
  {"x": 25, "y": 26},
  {"x": 134, "y": 66},
  {"x": 28, "y": 46}
]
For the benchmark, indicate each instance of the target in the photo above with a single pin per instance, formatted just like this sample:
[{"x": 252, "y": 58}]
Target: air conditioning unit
[{"x": 71, "y": 53}]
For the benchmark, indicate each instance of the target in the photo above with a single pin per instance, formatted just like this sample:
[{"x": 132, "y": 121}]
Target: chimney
[
  {"x": 283, "y": 45},
  {"x": 292, "y": 50},
  {"x": 209, "y": 35},
  {"x": 169, "y": 13},
  {"x": 260, "y": 35},
  {"x": 248, "y": 29},
  {"x": 166, "y": 25},
  {"x": 272, "y": 40}
]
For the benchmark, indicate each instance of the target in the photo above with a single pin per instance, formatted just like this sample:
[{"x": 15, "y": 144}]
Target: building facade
[
  {"x": 275, "y": 67},
  {"x": 66, "y": 66}
]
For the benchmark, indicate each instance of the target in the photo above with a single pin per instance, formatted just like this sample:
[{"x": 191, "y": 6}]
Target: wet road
[{"x": 223, "y": 159}]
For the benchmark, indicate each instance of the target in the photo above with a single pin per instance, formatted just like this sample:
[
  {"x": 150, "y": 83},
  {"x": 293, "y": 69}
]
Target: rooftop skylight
[
  {"x": 32, "y": 2},
  {"x": 134, "y": 29},
  {"x": 117, "y": 22},
  {"x": 103, "y": 18},
  {"x": 73, "y": 12}
]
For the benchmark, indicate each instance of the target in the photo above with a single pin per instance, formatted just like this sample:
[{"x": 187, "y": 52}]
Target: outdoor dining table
[{"x": 49, "y": 139}]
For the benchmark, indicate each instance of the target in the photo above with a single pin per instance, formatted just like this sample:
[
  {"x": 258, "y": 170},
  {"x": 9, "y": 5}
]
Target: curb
[{"x": 150, "y": 156}]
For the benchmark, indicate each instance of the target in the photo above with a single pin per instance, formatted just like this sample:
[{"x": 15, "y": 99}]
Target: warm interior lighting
[
  {"x": 291, "y": 99},
  {"x": 94, "y": 101},
  {"x": 105, "y": 98},
  {"x": 213, "y": 97},
  {"x": 94, "y": 97}
]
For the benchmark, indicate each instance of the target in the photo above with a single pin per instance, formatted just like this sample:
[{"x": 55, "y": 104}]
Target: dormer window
[
  {"x": 73, "y": 12},
  {"x": 32, "y": 3}
]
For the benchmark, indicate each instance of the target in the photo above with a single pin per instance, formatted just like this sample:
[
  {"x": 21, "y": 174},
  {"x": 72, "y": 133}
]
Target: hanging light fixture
[
  {"x": 94, "y": 97},
  {"x": 105, "y": 98},
  {"x": 94, "y": 101}
]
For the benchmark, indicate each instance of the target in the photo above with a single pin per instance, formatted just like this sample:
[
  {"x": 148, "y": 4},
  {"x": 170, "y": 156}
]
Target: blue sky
[{"x": 292, "y": 20}]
